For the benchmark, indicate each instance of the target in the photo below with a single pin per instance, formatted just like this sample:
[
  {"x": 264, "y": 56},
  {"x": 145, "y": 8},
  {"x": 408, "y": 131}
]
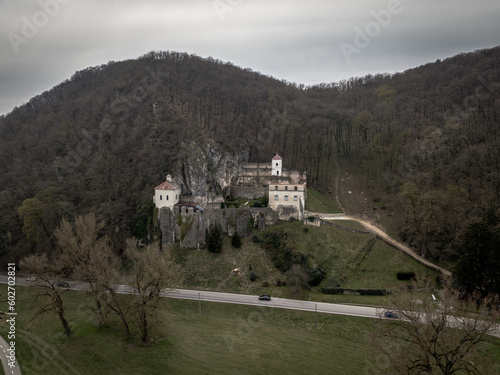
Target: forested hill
[{"x": 426, "y": 141}]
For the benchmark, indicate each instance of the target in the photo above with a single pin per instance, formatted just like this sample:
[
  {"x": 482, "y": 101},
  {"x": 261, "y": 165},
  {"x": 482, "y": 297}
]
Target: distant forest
[{"x": 425, "y": 143}]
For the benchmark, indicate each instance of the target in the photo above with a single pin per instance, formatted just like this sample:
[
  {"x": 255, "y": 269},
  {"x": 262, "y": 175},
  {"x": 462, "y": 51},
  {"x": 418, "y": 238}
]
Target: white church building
[{"x": 168, "y": 193}]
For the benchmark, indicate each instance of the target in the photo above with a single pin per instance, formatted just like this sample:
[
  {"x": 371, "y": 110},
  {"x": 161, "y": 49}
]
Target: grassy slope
[
  {"x": 317, "y": 202},
  {"x": 338, "y": 252}
]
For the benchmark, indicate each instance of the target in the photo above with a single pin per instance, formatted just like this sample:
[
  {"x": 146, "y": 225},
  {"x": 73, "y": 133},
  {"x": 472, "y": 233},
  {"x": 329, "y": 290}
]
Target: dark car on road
[
  {"x": 265, "y": 297},
  {"x": 63, "y": 284},
  {"x": 391, "y": 315}
]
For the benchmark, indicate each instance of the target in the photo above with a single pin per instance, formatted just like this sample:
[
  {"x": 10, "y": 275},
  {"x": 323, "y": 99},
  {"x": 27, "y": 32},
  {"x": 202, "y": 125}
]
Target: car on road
[
  {"x": 33, "y": 278},
  {"x": 63, "y": 284},
  {"x": 391, "y": 315},
  {"x": 265, "y": 297}
]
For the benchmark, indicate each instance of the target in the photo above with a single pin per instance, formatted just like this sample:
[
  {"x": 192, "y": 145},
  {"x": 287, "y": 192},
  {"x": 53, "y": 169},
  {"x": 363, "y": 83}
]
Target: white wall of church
[
  {"x": 166, "y": 198},
  {"x": 276, "y": 167}
]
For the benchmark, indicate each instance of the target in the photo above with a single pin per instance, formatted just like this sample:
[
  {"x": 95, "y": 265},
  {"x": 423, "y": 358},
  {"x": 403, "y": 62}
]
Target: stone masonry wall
[{"x": 190, "y": 228}]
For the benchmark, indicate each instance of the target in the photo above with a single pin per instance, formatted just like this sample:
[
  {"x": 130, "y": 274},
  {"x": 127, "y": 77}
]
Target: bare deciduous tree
[
  {"x": 153, "y": 270},
  {"x": 48, "y": 295},
  {"x": 437, "y": 337},
  {"x": 89, "y": 256}
]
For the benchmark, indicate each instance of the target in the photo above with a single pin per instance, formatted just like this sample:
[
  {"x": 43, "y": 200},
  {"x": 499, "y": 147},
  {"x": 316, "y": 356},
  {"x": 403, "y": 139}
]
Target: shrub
[
  {"x": 361, "y": 292},
  {"x": 253, "y": 276},
  {"x": 256, "y": 204},
  {"x": 265, "y": 200},
  {"x": 214, "y": 239},
  {"x": 315, "y": 276},
  {"x": 255, "y": 238},
  {"x": 236, "y": 241},
  {"x": 405, "y": 275}
]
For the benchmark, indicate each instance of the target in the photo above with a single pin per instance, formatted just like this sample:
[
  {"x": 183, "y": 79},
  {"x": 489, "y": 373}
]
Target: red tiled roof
[
  {"x": 277, "y": 157},
  {"x": 169, "y": 185}
]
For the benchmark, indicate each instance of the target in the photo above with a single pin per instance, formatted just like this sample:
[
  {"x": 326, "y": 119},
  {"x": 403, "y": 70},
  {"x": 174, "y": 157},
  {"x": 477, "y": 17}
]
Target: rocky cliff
[{"x": 207, "y": 170}]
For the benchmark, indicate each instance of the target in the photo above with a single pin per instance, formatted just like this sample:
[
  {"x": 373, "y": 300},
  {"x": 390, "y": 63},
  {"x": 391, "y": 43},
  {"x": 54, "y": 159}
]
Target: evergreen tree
[
  {"x": 214, "y": 239},
  {"x": 236, "y": 241}
]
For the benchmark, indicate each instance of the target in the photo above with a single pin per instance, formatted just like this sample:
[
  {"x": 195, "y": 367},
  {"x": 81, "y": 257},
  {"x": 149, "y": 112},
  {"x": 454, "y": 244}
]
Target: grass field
[
  {"x": 224, "y": 339},
  {"x": 317, "y": 202}
]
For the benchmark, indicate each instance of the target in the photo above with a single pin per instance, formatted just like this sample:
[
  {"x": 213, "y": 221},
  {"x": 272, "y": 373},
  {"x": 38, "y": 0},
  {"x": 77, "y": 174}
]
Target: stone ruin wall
[{"x": 190, "y": 228}]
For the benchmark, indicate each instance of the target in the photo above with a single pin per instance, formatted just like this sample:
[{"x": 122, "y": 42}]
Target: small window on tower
[
  {"x": 167, "y": 197},
  {"x": 161, "y": 198},
  {"x": 295, "y": 188}
]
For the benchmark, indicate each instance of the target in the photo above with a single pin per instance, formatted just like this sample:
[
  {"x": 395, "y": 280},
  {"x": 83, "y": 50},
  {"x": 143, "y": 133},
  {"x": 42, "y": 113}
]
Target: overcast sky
[{"x": 43, "y": 42}]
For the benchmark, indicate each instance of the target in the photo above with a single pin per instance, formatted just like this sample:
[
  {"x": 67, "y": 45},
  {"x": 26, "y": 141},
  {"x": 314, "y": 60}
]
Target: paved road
[
  {"x": 252, "y": 300},
  {"x": 242, "y": 299},
  {"x": 4, "y": 347},
  {"x": 281, "y": 303}
]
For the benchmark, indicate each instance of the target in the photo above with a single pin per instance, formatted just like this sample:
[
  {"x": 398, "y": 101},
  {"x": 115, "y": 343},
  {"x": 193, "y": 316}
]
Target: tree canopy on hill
[{"x": 426, "y": 141}]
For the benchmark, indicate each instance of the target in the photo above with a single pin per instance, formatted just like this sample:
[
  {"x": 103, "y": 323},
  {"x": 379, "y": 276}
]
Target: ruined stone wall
[
  {"x": 248, "y": 192},
  {"x": 287, "y": 212},
  {"x": 190, "y": 227}
]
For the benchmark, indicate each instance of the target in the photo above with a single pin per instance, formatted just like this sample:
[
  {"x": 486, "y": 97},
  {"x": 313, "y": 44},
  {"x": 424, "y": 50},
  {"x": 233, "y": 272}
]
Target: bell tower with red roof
[{"x": 277, "y": 164}]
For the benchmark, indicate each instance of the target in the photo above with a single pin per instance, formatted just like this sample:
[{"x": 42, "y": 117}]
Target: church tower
[{"x": 276, "y": 165}]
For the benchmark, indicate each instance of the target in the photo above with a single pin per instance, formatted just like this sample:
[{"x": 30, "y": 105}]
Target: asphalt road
[
  {"x": 281, "y": 303},
  {"x": 15, "y": 369},
  {"x": 243, "y": 299}
]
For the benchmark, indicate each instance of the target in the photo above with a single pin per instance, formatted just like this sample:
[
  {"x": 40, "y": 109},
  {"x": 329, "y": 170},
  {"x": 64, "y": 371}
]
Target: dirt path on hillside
[
  {"x": 380, "y": 233},
  {"x": 337, "y": 184},
  {"x": 398, "y": 245}
]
